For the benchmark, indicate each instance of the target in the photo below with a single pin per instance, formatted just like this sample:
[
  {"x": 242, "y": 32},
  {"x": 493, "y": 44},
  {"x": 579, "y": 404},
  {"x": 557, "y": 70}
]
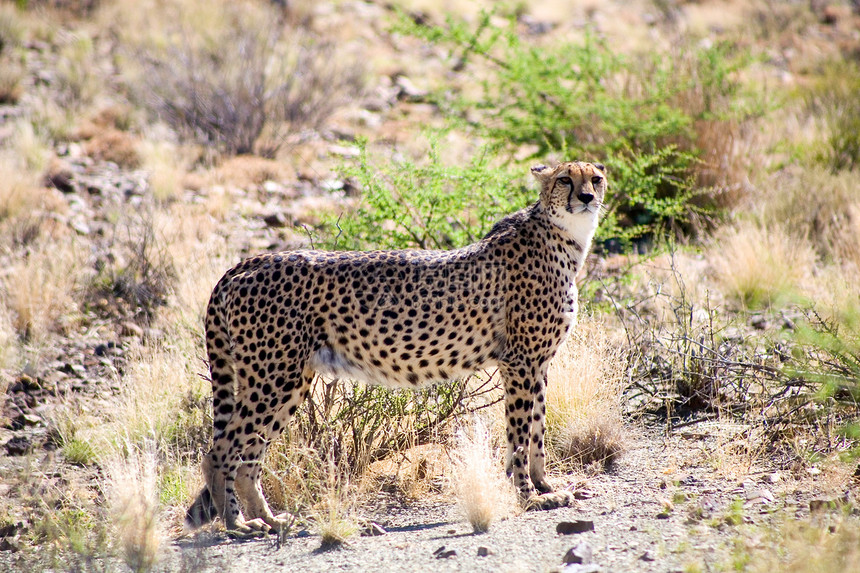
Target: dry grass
[
  {"x": 335, "y": 516},
  {"x": 131, "y": 491},
  {"x": 820, "y": 206},
  {"x": 238, "y": 100},
  {"x": 822, "y": 544},
  {"x": 116, "y": 146},
  {"x": 761, "y": 266},
  {"x": 9, "y": 348},
  {"x": 166, "y": 165},
  {"x": 43, "y": 285},
  {"x": 583, "y": 409},
  {"x": 483, "y": 492},
  {"x": 19, "y": 192}
]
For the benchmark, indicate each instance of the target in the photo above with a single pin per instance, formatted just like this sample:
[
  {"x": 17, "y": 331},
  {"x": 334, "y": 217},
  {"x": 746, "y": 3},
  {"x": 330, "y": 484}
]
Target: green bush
[
  {"x": 580, "y": 100},
  {"x": 834, "y": 98},
  {"x": 429, "y": 206}
]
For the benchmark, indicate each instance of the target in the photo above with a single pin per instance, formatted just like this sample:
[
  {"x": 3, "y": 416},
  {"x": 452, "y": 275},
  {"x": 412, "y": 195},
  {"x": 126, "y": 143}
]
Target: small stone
[
  {"x": 663, "y": 515},
  {"x": 10, "y": 529},
  {"x": 303, "y": 533},
  {"x": 274, "y": 187},
  {"x": 573, "y": 527},
  {"x": 818, "y": 505},
  {"x": 407, "y": 90},
  {"x": 277, "y": 220},
  {"x": 759, "y": 496},
  {"x": 129, "y": 328},
  {"x": 483, "y": 551},
  {"x": 10, "y": 545},
  {"x": 18, "y": 446},
  {"x": 442, "y": 553},
  {"x": 372, "y": 529},
  {"x": 647, "y": 556},
  {"x": 582, "y": 554},
  {"x": 580, "y": 568},
  {"x": 759, "y": 322}
]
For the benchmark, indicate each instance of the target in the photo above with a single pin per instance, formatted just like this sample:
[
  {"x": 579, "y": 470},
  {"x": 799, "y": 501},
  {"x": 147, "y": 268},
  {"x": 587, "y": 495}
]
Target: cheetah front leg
[
  {"x": 537, "y": 456},
  {"x": 524, "y": 397},
  {"x": 248, "y": 483}
]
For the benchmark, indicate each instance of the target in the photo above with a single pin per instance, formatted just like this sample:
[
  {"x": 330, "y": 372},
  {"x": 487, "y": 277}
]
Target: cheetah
[{"x": 400, "y": 318}]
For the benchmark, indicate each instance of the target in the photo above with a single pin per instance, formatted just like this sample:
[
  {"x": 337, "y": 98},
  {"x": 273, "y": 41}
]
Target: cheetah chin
[{"x": 400, "y": 318}]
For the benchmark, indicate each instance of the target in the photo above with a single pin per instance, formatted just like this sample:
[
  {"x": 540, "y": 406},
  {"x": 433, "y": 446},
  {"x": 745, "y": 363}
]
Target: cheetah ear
[
  {"x": 600, "y": 166},
  {"x": 541, "y": 172}
]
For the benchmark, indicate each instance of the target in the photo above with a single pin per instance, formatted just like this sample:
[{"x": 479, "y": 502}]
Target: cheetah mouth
[{"x": 581, "y": 208}]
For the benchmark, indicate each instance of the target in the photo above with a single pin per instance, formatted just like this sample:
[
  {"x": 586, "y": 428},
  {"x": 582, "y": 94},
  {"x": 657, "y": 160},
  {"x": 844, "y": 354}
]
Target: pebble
[
  {"x": 373, "y": 529},
  {"x": 581, "y": 553},
  {"x": 443, "y": 553},
  {"x": 572, "y": 527},
  {"x": 18, "y": 445}
]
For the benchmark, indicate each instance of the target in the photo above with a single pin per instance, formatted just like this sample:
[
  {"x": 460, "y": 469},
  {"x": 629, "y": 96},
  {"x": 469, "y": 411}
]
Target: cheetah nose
[{"x": 585, "y": 197}]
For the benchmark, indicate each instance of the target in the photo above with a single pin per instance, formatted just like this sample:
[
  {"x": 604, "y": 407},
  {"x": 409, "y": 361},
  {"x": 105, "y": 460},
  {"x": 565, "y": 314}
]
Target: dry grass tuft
[
  {"x": 43, "y": 285},
  {"x": 829, "y": 217},
  {"x": 18, "y": 188},
  {"x": 823, "y": 544},
  {"x": 583, "y": 410},
  {"x": 238, "y": 100},
  {"x": 131, "y": 492},
  {"x": 761, "y": 266},
  {"x": 8, "y": 344},
  {"x": 484, "y": 494},
  {"x": 166, "y": 165},
  {"x": 116, "y": 146},
  {"x": 334, "y": 517}
]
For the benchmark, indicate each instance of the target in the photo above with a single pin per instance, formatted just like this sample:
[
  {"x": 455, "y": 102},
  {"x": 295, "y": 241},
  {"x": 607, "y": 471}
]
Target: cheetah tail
[{"x": 202, "y": 511}]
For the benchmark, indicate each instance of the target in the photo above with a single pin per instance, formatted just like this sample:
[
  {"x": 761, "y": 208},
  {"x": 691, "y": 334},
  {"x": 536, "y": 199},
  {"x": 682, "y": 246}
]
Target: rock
[
  {"x": 759, "y": 322},
  {"x": 129, "y": 328},
  {"x": 663, "y": 515},
  {"x": 647, "y": 556},
  {"x": 18, "y": 446},
  {"x": 582, "y": 554},
  {"x": 818, "y": 505},
  {"x": 759, "y": 496},
  {"x": 483, "y": 551},
  {"x": 10, "y": 545},
  {"x": 572, "y": 527},
  {"x": 303, "y": 533},
  {"x": 372, "y": 529},
  {"x": 10, "y": 529},
  {"x": 62, "y": 180},
  {"x": 277, "y": 220},
  {"x": 274, "y": 187},
  {"x": 578, "y": 568},
  {"x": 443, "y": 553},
  {"x": 407, "y": 90}
]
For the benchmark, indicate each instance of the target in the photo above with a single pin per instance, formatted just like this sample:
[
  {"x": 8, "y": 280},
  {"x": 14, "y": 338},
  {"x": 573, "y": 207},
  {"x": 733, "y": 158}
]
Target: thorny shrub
[{"x": 236, "y": 99}]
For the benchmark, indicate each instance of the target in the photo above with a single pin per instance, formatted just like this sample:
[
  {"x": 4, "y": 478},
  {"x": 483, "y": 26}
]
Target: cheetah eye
[
  {"x": 596, "y": 180},
  {"x": 565, "y": 180}
]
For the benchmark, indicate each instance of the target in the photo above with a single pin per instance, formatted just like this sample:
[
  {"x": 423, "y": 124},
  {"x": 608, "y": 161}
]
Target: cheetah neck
[{"x": 574, "y": 233}]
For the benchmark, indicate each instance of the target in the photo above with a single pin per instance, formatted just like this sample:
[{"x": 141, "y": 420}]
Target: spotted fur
[{"x": 400, "y": 318}]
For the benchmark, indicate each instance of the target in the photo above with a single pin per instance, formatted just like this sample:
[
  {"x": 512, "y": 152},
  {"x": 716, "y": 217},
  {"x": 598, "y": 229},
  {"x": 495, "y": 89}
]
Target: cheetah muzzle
[{"x": 400, "y": 318}]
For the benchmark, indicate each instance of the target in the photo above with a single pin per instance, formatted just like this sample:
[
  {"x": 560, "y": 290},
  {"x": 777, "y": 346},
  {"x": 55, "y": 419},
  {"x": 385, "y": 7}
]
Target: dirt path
[{"x": 635, "y": 528}]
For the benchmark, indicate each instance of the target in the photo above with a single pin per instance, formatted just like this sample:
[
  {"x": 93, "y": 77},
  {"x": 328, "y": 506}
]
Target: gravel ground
[{"x": 633, "y": 531}]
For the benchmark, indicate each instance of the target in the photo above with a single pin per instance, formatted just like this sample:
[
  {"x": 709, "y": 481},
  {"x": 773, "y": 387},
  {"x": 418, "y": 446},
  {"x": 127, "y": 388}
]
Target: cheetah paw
[
  {"x": 551, "y": 500},
  {"x": 249, "y": 529}
]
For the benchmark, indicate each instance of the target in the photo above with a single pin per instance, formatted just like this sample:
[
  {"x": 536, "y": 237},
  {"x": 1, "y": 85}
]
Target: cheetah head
[{"x": 572, "y": 194}]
